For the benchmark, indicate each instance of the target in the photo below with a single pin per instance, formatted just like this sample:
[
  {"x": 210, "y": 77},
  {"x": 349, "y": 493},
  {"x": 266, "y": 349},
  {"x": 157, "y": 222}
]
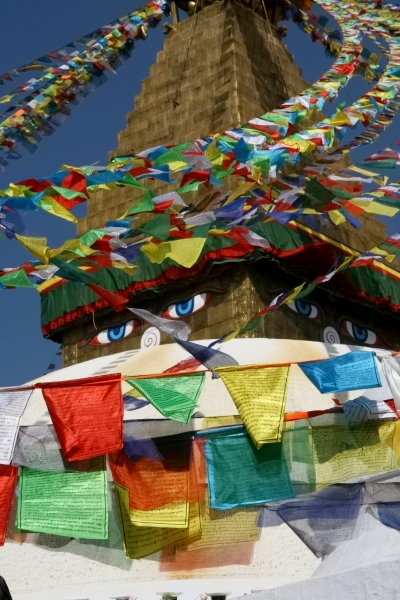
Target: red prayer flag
[
  {"x": 87, "y": 415},
  {"x": 156, "y": 483},
  {"x": 115, "y": 300},
  {"x": 8, "y": 480},
  {"x": 206, "y": 558},
  {"x": 73, "y": 181}
]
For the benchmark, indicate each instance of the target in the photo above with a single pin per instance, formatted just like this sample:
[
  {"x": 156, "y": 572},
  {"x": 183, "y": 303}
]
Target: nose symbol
[{"x": 151, "y": 337}]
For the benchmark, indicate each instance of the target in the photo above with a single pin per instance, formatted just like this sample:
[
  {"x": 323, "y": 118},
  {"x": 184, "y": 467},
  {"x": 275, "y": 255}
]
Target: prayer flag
[
  {"x": 326, "y": 451},
  {"x": 322, "y": 520},
  {"x": 218, "y": 528},
  {"x": 342, "y": 453},
  {"x": 241, "y": 475},
  {"x": 174, "y": 516},
  {"x": 8, "y": 480},
  {"x": 260, "y": 396},
  {"x": 178, "y": 329},
  {"x": 37, "y": 447},
  {"x": 352, "y": 371},
  {"x": 158, "y": 227},
  {"x": 143, "y": 541},
  {"x": 188, "y": 559},
  {"x": 363, "y": 409},
  {"x": 87, "y": 415},
  {"x": 67, "y": 504},
  {"x": 136, "y": 449},
  {"x": 12, "y": 406},
  {"x": 175, "y": 397},
  {"x": 156, "y": 483},
  {"x": 207, "y": 355},
  {"x": 185, "y": 252},
  {"x": 17, "y": 278}
]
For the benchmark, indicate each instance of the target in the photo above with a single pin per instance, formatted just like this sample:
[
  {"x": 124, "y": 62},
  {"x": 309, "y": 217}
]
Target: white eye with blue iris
[
  {"x": 360, "y": 334},
  {"x": 113, "y": 334},
  {"x": 304, "y": 308},
  {"x": 185, "y": 308}
]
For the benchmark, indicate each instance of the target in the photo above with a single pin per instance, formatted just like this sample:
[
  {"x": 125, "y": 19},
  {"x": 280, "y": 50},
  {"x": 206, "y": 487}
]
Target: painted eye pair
[
  {"x": 358, "y": 333},
  {"x": 185, "y": 308},
  {"x": 176, "y": 310}
]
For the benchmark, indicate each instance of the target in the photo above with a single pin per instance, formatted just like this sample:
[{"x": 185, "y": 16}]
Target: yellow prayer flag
[
  {"x": 184, "y": 252},
  {"x": 296, "y": 291},
  {"x": 221, "y": 528},
  {"x": 174, "y": 516},
  {"x": 128, "y": 268},
  {"x": 226, "y": 421},
  {"x": 375, "y": 208},
  {"x": 143, "y": 541},
  {"x": 52, "y": 206},
  {"x": 177, "y": 165},
  {"x": 36, "y": 245},
  {"x": 7, "y": 98},
  {"x": 257, "y": 173},
  {"x": 368, "y": 449},
  {"x": 214, "y": 154},
  {"x": 259, "y": 394},
  {"x": 241, "y": 190},
  {"x": 388, "y": 257},
  {"x": 72, "y": 247},
  {"x": 339, "y": 119},
  {"x": 337, "y": 217},
  {"x": 16, "y": 190},
  {"x": 303, "y": 146}
]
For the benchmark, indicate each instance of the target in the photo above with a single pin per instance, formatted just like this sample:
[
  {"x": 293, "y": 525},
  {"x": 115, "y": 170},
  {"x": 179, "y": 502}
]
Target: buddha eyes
[
  {"x": 113, "y": 334},
  {"x": 304, "y": 308},
  {"x": 176, "y": 310},
  {"x": 359, "y": 334},
  {"x": 185, "y": 308}
]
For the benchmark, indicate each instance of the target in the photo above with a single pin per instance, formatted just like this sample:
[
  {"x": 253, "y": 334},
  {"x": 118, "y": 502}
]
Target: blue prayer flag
[{"x": 352, "y": 371}]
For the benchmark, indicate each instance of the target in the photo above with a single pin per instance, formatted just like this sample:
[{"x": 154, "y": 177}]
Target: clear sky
[{"x": 27, "y": 31}]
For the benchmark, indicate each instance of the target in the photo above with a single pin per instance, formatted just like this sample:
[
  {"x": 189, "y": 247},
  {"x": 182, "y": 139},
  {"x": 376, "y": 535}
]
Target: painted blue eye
[
  {"x": 114, "y": 334},
  {"x": 360, "y": 334},
  {"x": 178, "y": 310},
  {"x": 184, "y": 308},
  {"x": 304, "y": 308}
]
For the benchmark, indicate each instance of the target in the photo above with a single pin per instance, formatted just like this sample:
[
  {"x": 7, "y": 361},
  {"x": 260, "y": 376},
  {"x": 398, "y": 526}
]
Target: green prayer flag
[
  {"x": 17, "y": 279},
  {"x": 129, "y": 180},
  {"x": 169, "y": 157},
  {"x": 71, "y": 504},
  {"x": 69, "y": 194},
  {"x": 69, "y": 271},
  {"x": 389, "y": 163},
  {"x": 221, "y": 173},
  {"x": 158, "y": 227},
  {"x": 90, "y": 237},
  {"x": 190, "y": 187},
  {"x": 201, "y": 231},
  {"x": 175, "y": 397},
  {"x": 316, "y": 195},
  {"x": 145, "y": 205},
  {"x": 275, "y": 118}
]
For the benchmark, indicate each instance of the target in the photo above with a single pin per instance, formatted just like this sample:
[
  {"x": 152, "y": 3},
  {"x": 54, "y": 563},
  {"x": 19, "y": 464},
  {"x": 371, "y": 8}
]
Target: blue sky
[{"x": 29, "y": 30}]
